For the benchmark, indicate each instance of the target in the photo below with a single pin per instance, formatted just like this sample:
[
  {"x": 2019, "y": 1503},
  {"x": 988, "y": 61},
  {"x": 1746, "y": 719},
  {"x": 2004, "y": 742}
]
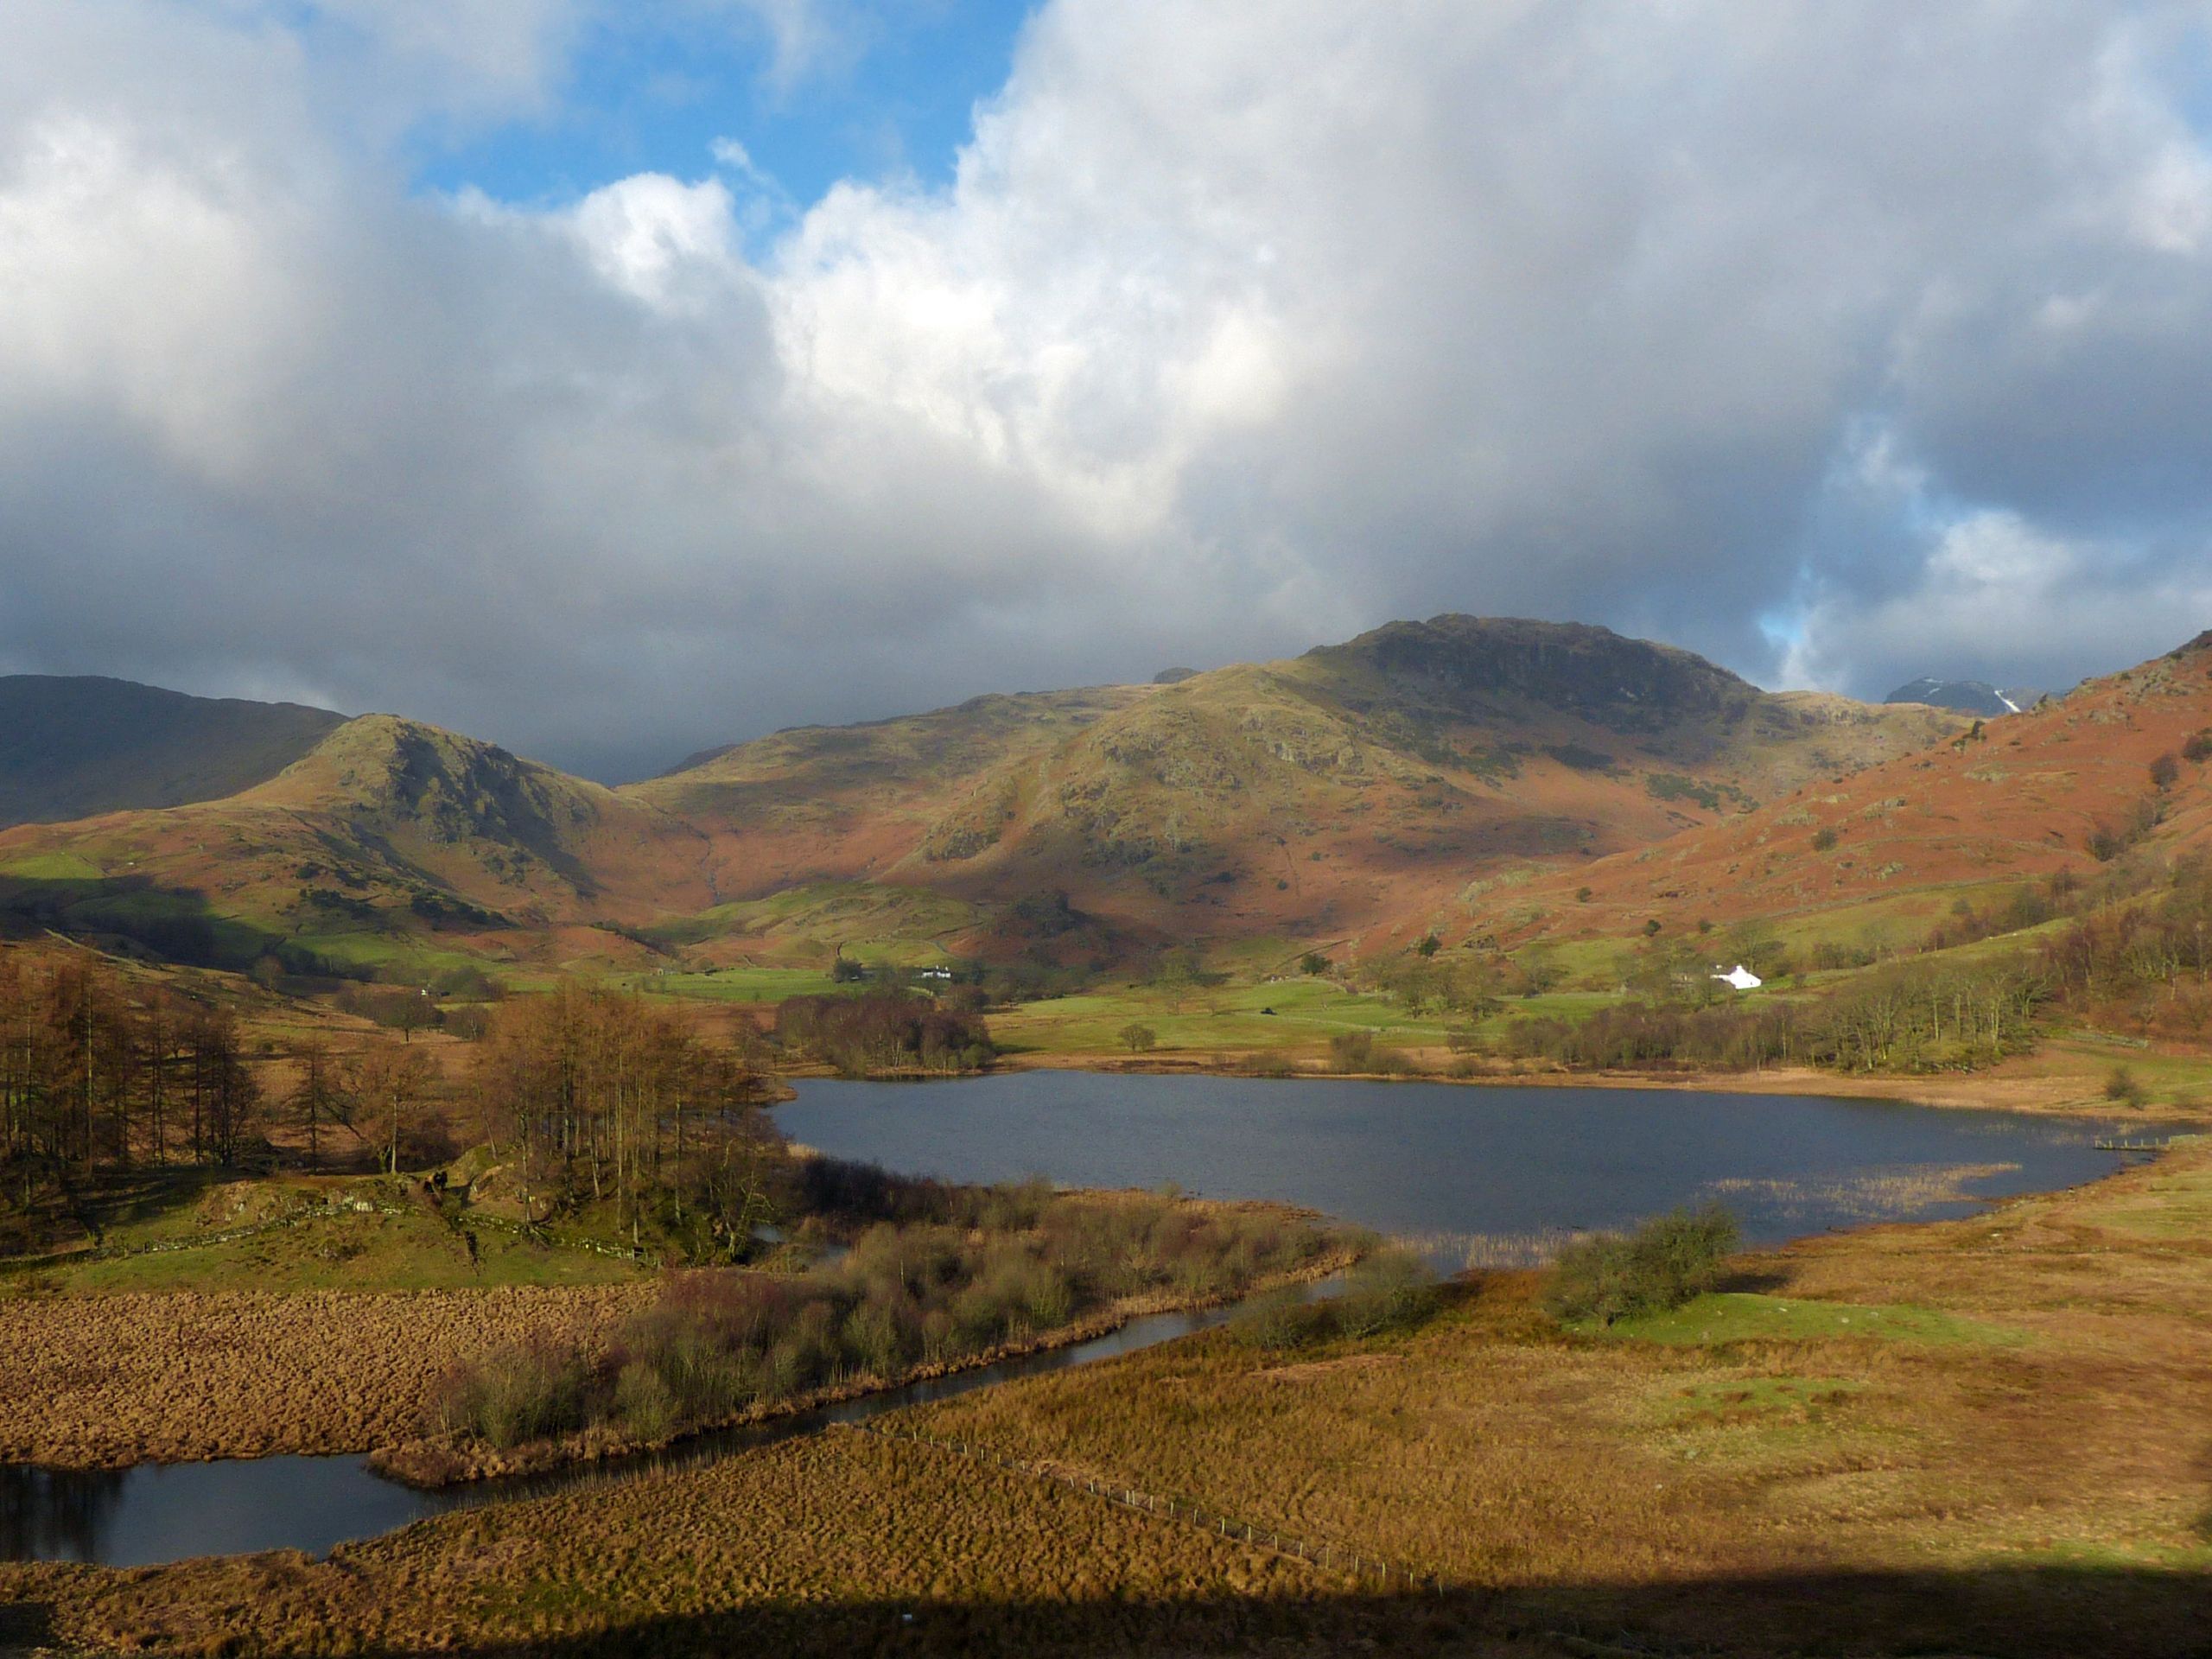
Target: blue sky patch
[{"x": 892, "y": 97}]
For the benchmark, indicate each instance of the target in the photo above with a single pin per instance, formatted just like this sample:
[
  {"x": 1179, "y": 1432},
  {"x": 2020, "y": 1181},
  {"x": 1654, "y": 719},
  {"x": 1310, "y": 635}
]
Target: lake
[
  {"x": 1430, "y": 1160},
  {"x": 1491, "y": 1172}
]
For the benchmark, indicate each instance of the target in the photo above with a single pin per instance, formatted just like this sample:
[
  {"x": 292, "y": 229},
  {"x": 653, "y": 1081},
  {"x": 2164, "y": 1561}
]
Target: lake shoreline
[
  {"x": 2030, "y": 1096},
  {"x": 119, "y": 1380}
]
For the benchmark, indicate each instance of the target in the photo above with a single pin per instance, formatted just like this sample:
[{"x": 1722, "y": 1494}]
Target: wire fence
[{"x": 1361, "y": 1565}]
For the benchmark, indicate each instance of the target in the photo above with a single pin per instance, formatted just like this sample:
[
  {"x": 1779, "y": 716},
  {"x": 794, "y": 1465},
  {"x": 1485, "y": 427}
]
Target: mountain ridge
[
  {"x": 1345, "y": 793},
  {"x": 1964, "y": 697}
]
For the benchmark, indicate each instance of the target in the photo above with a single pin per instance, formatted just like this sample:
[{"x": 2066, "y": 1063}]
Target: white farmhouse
[{"x": 1740, "y": 976}]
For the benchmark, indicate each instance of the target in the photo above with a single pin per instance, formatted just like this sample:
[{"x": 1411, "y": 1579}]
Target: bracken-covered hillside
[
  {"x": 1330, "y": 795},
  {"x": 2116, "y": 768}
]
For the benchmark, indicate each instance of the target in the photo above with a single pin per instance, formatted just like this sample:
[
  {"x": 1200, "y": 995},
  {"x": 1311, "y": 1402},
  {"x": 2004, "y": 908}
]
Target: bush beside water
[{"x": 1663, "y": 1264}]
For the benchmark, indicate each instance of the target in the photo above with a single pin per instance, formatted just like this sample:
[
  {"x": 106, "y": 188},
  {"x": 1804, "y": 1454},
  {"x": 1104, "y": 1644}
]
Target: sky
[{"x": 611, "y": 379}]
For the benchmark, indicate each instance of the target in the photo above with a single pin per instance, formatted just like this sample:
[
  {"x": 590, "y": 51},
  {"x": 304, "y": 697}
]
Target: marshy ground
[{"x": 1982, "y": 1436}]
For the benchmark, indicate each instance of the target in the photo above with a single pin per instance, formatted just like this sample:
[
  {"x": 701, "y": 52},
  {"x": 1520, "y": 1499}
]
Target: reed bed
[
  {"x": 910, "y": 1299},
  {"x": 1893, "y": 1193}
]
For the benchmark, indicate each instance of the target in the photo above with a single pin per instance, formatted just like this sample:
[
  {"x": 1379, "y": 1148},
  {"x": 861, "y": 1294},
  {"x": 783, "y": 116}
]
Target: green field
[
  {"x": 152, "y": 1227},
  {"x": 1726, "y": 1317},
  {"x": 900, "y": 926},
  {"x": 396, "y": 956},
  {"x": 347, "y": 1252},
  {"x": 54, "y": 866},
  {"x": 1288, "y": 1014},
  {"x": 737, "y": 984}
]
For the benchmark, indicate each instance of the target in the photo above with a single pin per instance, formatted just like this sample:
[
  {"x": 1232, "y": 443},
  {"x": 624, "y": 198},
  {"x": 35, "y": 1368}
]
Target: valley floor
[{"x": 1986, "y": 1435}]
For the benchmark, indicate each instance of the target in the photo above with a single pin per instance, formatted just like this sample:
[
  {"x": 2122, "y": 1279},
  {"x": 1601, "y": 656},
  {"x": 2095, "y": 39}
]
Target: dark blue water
[
  {"x": 1424, "y": 1159},
  {"x": 1410, "y": 1159}
]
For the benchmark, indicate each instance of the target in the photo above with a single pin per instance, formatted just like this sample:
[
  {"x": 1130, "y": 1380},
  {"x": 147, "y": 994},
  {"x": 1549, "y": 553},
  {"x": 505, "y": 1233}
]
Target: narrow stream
[{"x": 153, "y": 1513}]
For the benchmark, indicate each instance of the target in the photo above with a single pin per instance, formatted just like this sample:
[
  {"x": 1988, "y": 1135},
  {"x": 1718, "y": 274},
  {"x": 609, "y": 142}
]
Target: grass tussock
[{"x": 95, "y": 1382}]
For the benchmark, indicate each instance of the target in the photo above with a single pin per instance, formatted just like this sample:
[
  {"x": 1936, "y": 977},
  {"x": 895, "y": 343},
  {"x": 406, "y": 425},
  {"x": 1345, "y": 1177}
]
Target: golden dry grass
[
  {"x": 824, "y": 1545},
  {"x": 1501, "y": 1451},
  {"x": 107, "y": 1381},
  {"x": 1833, "y": 1488}
]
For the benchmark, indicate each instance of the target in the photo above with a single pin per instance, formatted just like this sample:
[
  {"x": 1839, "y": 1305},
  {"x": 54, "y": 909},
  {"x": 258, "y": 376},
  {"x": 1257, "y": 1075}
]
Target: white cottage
[{"x": 1741, "y": 977}]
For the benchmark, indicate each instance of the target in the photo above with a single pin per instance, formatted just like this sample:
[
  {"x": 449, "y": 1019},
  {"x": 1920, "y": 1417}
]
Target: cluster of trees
[
  {"x": 2023, "y": 906},
  {"x": 986, "y": 1268},
  {"x": 1910, "y": 1017},
  {"x": 96, "y": 1073},
  {"x": 397, "y": 1007},
  {"x": 1356, "y": 1053},
  {"x": 1463, "y": 983},
  {"x": 605, "y": 1097},
  {"x": 2148, "y": 962},
  {"x": 881, "y": 1031}
]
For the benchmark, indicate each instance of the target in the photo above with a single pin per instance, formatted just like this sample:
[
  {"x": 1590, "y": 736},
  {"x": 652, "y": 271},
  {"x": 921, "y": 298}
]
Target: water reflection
[{"x": 56, "y": 1513}]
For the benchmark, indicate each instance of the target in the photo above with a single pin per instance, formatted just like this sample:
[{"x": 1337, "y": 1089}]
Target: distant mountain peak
[
  {"x": 1575, "y": 668},
  {"x": 1965, "y": 697}
]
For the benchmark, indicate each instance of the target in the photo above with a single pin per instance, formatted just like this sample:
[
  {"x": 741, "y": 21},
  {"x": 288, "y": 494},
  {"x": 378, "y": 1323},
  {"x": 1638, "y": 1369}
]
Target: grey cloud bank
[{"x": 1843, "y": 344}]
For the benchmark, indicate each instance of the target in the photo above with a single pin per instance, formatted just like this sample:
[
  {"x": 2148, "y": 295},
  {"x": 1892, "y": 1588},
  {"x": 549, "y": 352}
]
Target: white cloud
[
  {"x": 1237, "y": 327},
  {"x": 653, "y": 235},
  {"x": 126, "y": 273}
]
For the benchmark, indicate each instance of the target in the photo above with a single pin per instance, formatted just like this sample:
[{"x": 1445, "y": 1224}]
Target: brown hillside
[
  {"x": 2066, "y": 786},
  {"x": 386, "y": 827},
  {"x": 849, "y": 803},
  {"x": 1347, "y": 797},
  {"x": 1354, "y": 788}
]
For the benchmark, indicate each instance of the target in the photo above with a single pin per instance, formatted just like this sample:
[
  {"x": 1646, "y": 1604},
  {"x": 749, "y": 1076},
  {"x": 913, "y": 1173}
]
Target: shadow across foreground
[{"x": 2034, "y": 1613}]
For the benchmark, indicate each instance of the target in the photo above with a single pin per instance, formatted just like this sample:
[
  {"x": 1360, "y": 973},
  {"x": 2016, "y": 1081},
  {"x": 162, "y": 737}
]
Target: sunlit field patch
[{"x": 1724, "y": 1317}]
